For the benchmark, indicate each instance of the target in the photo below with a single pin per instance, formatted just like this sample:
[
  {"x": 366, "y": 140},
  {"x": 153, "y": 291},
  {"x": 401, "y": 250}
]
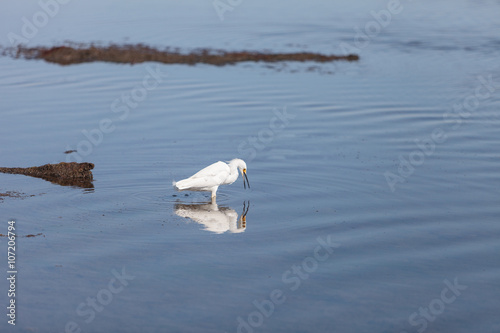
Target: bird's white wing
[
  {"x": 212, "y": 175},
  {"x": 215, "y": 170}
]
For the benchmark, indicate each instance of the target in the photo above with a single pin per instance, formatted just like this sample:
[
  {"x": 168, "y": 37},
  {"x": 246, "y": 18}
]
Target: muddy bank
[
  {"x": 66, "y": 174},
  {"x": 132, "y": 54}
]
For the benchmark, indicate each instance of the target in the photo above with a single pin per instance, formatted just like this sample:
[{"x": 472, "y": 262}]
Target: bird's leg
[{"x": 214, "y": 193}]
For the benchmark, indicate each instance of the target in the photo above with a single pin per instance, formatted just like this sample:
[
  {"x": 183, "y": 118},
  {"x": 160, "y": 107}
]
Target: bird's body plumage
[{"x": 210, "y": 178}]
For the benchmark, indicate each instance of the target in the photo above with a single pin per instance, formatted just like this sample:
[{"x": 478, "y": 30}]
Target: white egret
[{"x": 210, "y": 178}]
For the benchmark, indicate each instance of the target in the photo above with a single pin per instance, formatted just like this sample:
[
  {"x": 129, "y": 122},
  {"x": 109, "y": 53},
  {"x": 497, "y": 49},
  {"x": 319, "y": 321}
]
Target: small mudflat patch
[
  {"x": 14, "y": 194},
  {"x": 25, "y": 236},
  {"x": 138, "y": 53},
  {"x": 72, "y": 174}
]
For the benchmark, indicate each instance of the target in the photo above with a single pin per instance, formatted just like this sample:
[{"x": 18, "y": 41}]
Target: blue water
[{"x": 375, "y": 187}]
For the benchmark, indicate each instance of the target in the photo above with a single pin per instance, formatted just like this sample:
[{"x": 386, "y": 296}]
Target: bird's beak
[{"x": 244, "y": 174}]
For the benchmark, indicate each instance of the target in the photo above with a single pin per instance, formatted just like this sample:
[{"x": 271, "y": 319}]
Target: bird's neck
[{"x": 233, "y": 174}]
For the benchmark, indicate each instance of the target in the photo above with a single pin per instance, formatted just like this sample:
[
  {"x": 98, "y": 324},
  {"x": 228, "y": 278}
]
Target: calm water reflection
[{"x": 215, "y": 218}]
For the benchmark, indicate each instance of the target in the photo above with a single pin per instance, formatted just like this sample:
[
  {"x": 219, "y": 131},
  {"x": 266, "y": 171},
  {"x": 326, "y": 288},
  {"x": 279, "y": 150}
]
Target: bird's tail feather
[{"x": 182, "y": 184}]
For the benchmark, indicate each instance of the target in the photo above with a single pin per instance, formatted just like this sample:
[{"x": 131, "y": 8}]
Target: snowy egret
[{"x": 211, "y": 177}]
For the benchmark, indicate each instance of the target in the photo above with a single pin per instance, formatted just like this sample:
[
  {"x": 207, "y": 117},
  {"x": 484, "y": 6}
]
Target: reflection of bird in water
[
  {"x": 210, "y": 178},
  {"x": 218, "y": 219}
]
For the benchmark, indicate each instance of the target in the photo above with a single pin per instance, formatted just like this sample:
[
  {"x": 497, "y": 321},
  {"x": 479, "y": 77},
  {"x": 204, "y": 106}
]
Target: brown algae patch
[{"x": 138, "y": 53}]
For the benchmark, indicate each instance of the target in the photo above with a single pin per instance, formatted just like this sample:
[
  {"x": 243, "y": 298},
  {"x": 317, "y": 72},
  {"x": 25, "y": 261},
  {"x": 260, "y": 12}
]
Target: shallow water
[{"x": 319, "y": 143}]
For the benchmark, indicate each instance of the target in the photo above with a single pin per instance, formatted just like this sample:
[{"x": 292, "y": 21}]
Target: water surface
[{"x": 328, "y": 243}]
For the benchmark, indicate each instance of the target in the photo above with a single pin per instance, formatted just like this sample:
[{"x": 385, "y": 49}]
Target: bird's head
[{"x": 242, "y": 166}]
